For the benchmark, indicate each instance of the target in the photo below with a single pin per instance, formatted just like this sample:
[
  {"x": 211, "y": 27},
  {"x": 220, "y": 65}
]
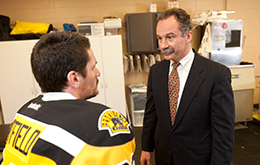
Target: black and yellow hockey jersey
[{"x": 69, "y": 132}]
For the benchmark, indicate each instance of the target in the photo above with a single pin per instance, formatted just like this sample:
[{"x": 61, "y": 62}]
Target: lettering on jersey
[
  {"x": 34, "y": 106},
  {"x": 22, "y": 136},
  {"x": 113, "y": 122}
]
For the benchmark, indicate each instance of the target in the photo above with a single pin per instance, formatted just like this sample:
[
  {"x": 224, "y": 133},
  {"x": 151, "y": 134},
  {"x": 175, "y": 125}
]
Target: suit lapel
[{"x": 194, "y": 81}]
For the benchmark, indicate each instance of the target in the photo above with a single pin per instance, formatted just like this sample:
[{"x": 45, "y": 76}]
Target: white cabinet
[
  {"x": 108, "y": 52},
  {"x": 17, "y": 84}
]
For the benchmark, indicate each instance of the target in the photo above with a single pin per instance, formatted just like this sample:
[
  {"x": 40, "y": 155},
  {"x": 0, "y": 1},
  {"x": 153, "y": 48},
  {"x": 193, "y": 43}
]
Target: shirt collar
[
  {"x": 185, "y": 59},
  {"x": 54, "y": 96}
]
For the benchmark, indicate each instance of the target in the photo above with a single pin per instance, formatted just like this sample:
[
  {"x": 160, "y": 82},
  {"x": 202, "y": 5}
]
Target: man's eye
[{"x": 170, "y": 37}]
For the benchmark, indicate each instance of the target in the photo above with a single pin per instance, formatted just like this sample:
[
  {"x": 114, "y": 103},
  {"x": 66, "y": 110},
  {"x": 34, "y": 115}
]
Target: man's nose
[
  {"x": 164, "y": 43},
  {"x": 98, "y": 72}
]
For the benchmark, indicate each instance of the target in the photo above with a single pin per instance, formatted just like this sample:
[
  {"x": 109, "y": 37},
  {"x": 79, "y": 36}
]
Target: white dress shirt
[{"x": 183, "y": 72}]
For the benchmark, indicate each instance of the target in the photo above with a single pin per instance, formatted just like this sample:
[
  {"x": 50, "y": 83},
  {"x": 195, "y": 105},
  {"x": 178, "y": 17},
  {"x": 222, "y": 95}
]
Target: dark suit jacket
[{"x": 203, "y": 132}]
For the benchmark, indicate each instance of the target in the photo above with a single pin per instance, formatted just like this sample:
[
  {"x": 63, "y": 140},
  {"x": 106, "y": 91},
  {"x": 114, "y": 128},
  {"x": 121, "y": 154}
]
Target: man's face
[
  {"x": 170, "y": 39},
  {"x": 89, "y": 83}
]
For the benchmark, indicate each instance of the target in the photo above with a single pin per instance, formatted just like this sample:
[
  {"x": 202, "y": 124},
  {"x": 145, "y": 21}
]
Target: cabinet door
[
  {"x": 113, "y": 72},
  {"x": 16, "y": 85},
  {"x": 96, "y": 47}
]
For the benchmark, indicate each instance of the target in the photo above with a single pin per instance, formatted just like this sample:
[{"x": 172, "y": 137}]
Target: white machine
[
  {"x": 226, "y": 41},
  {"x": 243, "y": 84}
]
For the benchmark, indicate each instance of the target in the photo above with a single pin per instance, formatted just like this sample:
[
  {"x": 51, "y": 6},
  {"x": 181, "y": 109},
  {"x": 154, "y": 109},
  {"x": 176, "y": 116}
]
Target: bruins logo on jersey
[{"x": 113, "y": 122}]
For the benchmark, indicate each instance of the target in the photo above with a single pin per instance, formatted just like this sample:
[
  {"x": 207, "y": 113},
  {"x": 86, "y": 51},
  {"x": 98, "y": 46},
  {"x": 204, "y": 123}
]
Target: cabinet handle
[{"x": 106, "y": 84}]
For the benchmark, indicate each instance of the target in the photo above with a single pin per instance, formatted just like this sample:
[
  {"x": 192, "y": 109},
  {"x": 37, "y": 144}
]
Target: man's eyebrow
[{"x": 171, "y": 33}]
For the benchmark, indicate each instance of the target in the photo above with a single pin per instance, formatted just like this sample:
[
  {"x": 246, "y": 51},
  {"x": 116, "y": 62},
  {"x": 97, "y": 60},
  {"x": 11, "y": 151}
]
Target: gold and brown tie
[{"x": 173, "y": 90}]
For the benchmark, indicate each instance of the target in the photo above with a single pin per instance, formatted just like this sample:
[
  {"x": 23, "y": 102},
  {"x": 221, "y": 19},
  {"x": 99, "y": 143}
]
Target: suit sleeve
[
  {"x": 150, "y": 118},
  {"x": 222, "y": 119}
]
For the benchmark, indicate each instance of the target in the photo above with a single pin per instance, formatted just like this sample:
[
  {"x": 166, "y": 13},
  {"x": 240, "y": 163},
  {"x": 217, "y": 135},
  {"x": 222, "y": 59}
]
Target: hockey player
[{"x": 60, "y": 127}]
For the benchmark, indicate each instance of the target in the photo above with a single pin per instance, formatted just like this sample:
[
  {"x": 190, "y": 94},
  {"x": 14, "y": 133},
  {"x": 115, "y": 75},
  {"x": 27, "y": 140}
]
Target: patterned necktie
[{"x": 173, "y": 90}]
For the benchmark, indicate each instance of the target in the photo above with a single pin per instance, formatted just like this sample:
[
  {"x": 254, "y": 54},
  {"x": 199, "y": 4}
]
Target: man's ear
[
  {"x": 73, "y": 79},
  {"x": 189, "y": 36}
]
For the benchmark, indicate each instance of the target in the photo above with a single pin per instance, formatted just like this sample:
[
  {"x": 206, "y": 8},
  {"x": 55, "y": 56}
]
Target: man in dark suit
[{"x": 202, "y": 131}]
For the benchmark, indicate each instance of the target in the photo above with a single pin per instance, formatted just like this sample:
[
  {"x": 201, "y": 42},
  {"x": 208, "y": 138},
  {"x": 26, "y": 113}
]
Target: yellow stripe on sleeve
[{"x": 111, "y": 155}]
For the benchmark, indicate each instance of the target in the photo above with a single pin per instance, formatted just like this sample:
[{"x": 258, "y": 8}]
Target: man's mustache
[{"x": 167, "y": 50}]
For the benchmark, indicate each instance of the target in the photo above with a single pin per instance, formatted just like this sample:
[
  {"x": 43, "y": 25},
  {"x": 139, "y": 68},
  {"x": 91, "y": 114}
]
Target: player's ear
[{"x": 73, "y": 79}]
